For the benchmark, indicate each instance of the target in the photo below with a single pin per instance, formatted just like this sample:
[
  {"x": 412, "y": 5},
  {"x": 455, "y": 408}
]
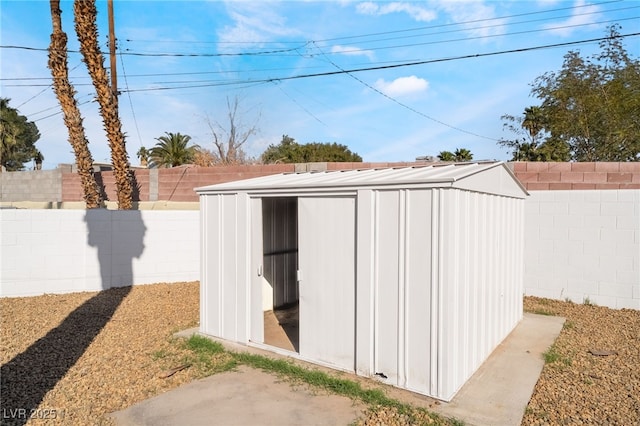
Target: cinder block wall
[
  {"x": 41, "y": 185},
  {"x": 582, "y": 225},
  {"x": 537, "y": 176},
  {"x": 62, "y": 251},
  {"x": 584, "y": 245}
]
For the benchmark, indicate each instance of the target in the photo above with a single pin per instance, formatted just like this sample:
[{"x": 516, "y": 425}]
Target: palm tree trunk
[
  {"x": 72, "y": 118},
  {"x": 85, "y": 18}
]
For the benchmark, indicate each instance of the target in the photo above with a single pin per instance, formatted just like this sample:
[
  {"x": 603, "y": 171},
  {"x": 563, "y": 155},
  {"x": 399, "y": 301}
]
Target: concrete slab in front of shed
[
  {"x": 499, "y": 392},
  {"x": 242, "y": 397}
]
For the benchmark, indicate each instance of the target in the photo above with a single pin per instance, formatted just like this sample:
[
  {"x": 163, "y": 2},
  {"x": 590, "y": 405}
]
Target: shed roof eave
[
  {"x": 330, "y": 187},
  {"x": 479, "y": 177}
]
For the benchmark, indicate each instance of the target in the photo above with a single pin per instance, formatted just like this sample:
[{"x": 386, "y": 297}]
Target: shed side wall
[{"x": 481, "y": 288}]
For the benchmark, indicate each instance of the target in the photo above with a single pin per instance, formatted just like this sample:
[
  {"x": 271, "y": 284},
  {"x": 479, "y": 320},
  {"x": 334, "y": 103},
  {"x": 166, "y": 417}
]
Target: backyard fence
[
  {"x": 582, "y": 242},
  {"x": 63, "y": 251}
]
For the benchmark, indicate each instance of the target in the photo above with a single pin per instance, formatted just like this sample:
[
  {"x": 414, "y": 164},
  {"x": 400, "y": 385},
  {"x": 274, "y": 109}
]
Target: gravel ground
[
  {"x": 581, "y": 388},
  {"x": 77, "y": 357}
]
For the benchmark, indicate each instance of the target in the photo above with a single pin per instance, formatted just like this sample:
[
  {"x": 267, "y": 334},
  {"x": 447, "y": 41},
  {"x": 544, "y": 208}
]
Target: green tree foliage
[
  {"x": 17, "y": 138},
  {"x": 460, "y": 155},
  {"x": 531, "y": 142},
  {"x": 590, "y": 109},
  {"x": 290, "y": 151},
  {"x": 172, "y": 150}
]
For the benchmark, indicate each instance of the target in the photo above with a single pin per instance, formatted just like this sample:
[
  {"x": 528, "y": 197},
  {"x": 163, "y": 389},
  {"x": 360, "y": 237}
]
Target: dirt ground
[{"x": 71, "y": 359}]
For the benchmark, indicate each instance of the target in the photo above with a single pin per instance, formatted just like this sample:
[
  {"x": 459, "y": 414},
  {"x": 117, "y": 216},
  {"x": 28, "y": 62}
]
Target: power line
[
  {"x": 488, "y": 36},
  {"x": 133, "y": 113},
  {"x": 400, "y": 65},
  {"x": 429, "y": 27},
  {"x": 298, "y": 104},
  {"x": 392, "y": 99},
  {"x": 303, "y": 44}
]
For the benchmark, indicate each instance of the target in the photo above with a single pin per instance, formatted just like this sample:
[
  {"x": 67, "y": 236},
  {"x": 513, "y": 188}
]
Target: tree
[
  {"x": 85, "y": 19},
  {"x": 531, "y": 143},
  {"x": 17, "y": 138},
  {"x": 143, "y": 155},
  {"x": 229, "y": 142},
  {"x": 172, "y": 150},
  {"x": 204, "y": 158},
  {"x": 463, "y": 154},
  {"x": 460, "y": 155},
  {"x": 592, "y": 104},
  {"x": 65, "y": 93},
  {"x": 289, "y": 151}
]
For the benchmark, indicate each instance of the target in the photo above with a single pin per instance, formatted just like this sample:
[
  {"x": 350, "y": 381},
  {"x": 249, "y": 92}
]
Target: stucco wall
[{"x": 61, "y": 251}]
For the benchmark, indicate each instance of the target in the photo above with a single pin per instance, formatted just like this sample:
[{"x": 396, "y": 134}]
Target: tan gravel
[
  {"x": 579, "y": 387},
  {"x": 80, "y": 356}
]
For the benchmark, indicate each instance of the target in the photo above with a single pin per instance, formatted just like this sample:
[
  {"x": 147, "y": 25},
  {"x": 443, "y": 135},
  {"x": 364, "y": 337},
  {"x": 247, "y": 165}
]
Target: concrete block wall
[
  {"x": 40, "y": 185},
  {"x": 172, "y": 184},
  {"x": 62, "y": 251},
  {"x": 584, "y": 245},
  {"x": 71, "y": 187},
  {"x": 538, "y": 176}
]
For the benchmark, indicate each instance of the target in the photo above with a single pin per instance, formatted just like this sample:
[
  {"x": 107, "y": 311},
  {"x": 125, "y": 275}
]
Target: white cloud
[
  {"x": 352, "y": 51},
  {"x": 587, "y": 15},
  {"x": 479, "y": 17},
  {"x": 402, "y": 86},
  {"x": 418, "y": 13},
  {"x": 254, "y": 22}
]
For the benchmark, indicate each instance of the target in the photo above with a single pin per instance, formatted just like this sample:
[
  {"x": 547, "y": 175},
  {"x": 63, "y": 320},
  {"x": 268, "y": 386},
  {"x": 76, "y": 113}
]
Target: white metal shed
[{"x": 412, "y": 274}]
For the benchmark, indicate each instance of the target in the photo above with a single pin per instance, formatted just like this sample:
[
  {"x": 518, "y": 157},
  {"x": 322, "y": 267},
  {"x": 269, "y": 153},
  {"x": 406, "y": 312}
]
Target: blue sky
[{"x": 179, "y": 62}]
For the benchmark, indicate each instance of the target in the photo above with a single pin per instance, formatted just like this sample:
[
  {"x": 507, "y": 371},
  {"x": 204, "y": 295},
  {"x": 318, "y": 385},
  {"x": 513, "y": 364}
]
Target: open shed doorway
[{"x": 280, "y": 262}]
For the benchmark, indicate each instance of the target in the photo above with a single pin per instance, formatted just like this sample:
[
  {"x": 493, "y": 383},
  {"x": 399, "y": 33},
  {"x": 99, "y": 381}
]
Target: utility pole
[{"x": 112, "y": 49}]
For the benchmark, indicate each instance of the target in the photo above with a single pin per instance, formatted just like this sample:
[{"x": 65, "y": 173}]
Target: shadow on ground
[{"x": 26, "y": 379}]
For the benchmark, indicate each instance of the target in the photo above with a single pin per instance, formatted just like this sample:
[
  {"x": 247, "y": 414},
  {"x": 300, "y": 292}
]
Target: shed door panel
[{"x": 327, "y": 279}]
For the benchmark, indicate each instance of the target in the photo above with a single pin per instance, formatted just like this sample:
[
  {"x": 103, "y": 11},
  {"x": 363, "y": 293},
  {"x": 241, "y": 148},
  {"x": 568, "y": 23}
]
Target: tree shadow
[{"x": 25, "y": 380}]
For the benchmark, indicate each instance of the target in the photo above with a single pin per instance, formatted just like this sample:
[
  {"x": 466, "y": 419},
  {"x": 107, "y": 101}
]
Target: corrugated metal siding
[
  {"x": 226, "y": 268},
  {"x": 445, "y": 277},
  {"x": 481, "y": 286},
  {"x": 280, "y": 247},
  {"x": 327, "y": 280}
]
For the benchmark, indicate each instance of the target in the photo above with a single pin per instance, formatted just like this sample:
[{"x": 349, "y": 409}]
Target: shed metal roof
[{"x": 487, "y": 177}]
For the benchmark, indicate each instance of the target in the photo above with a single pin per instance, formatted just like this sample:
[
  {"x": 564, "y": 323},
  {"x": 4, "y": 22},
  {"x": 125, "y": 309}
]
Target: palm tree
[
  {"x": 446, "y": 156},
  {"x": 72, "y": 118},
  {"x": 533, "y": 122},
  {"x": 463, "y": 154},
  {"x": 143, "y": 156},
  {"x": 460, "y": 155},
  {"x": 172, "y": 150},
  {"x": 85, "y": 18}
]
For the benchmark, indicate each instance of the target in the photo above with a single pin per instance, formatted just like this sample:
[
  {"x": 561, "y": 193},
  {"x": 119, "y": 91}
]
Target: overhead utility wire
[
  {"x": 483, "y": 37},
  {"x": 297, "y": 50},
  {"x": 405, "y": 64},
  {"x": 471, "y": 21},
  {"x": 392, "y": 99},
  {"x": 395, "y": 31},
  {"x": 133, "y": 112},
  {"x": 485, "y": 27},
  {"x": 272, "y": 53},
  {"x": 305, "y": 43}
]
